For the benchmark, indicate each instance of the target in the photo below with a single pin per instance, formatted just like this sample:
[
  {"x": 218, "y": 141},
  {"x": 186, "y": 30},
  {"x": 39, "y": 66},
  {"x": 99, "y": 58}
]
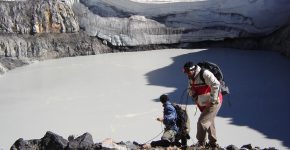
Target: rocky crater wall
[
  {"x": 16, "y": 50},
  {"x": 37, "y": 16},
  {"x": 41, "y": 29}
]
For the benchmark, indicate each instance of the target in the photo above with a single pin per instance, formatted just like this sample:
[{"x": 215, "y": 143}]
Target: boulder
[
  {"x": 21, "y": 144},
  {"x": 83, "y": 142},
  {"x": 232, "y": 147},
  {"x": 111, "y": 144},
  {"x": 247, "y": 146},
  {"x": 52, "y": 141}
]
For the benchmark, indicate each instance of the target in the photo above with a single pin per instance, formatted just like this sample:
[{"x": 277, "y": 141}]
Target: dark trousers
[
  {"x": 167, "y": 139},
  {"x": 183, "y": 139},
  {"x": 160, "y": 143}
]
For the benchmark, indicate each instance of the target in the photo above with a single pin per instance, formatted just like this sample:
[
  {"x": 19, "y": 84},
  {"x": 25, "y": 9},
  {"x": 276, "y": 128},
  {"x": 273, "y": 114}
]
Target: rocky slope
[
  {"x": 18, "y": 50},
  {"x": 52, "y": 141},
  {"x": 278, "y": 41}
]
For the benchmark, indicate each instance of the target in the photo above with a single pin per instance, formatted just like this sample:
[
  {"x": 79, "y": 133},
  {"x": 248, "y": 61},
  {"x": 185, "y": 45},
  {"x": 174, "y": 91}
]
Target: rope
[
  {"x": 187, "y": 101},
  {"x": 156, "y": 135},
  {"x": 195, "y": 108},
  {"x": 181, "y": 97},
  {"x": 229, "y": 102}
]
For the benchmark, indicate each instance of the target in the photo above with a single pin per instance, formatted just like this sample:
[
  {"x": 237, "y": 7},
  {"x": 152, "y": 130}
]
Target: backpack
[
  {"x": 214, "y": 68},
  {"x": 182, "y": 121}
]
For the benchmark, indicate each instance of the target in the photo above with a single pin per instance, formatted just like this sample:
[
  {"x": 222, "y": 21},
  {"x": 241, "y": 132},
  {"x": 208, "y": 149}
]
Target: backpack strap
[
  {"x": 202, "y": 78},
  {"x": 201, "y": 75}
]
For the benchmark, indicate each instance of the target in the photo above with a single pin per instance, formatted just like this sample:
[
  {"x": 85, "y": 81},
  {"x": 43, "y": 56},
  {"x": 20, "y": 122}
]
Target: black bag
[
  {"x": 214, "y": 68},
  {"x": 182, "y": 121}
]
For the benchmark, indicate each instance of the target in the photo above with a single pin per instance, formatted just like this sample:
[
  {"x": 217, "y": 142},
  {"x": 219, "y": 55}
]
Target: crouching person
[{"x": 169, "y": 120}]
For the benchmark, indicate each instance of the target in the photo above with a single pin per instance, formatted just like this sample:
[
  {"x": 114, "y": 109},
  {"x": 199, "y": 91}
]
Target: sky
[{"x": 115, "y": 96}]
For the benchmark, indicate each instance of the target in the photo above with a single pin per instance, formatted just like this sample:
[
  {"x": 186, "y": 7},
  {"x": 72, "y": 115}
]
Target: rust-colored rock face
[{"x": 41, "y": 16}]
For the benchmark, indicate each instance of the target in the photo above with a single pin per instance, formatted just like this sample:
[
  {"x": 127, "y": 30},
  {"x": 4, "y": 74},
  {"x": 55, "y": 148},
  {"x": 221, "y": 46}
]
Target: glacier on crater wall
[{"x": 133, "y": 23}]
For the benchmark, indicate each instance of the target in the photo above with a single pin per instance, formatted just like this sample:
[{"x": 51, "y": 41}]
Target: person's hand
[
  {"x": 160, "y": 119},
  {"x": 189, "y": 92},
  {"x": 208, "y": 104},
  {"x": 212, "y": 103},
  {"x": 215, "y": 102}
]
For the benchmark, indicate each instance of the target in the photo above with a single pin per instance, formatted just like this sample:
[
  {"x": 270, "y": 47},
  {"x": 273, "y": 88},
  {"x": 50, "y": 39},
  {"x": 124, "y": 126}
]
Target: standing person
[
  {"x": 206, "y": 94},
  {"x": 169, "y": 120}
]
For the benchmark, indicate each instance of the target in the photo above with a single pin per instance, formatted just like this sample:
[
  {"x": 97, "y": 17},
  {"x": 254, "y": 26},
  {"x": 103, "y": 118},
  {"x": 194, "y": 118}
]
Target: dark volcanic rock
[
  {"x": 278, "y": 41},
  {"x": 21, "y": 144},
  {"x": 83, "y": 142},
  {"x": 52, "y": 141},
  {"x": 248, "y": 146},
  {"x": 232, "y": 147}
]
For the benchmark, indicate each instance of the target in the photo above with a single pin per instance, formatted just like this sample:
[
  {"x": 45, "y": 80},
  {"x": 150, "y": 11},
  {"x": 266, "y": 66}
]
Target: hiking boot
[
  {"x": 200, "y": 145},
  {"x": 213, "y": 146},
  {"x": 183, "y": 147}
]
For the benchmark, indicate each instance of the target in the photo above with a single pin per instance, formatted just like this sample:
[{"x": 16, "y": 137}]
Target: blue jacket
[{"x": 169, "y": 117}]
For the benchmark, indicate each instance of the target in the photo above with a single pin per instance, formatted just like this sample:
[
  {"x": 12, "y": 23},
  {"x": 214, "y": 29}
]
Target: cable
[
  {"x": 157, "y": 134},
  {"x": 181, "y": 97},
  {"x": 186, "y": 101},
  {"x": 229, "y": 101}
]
